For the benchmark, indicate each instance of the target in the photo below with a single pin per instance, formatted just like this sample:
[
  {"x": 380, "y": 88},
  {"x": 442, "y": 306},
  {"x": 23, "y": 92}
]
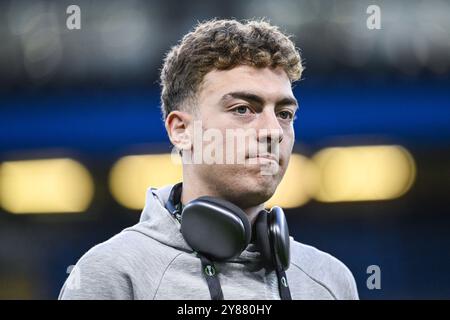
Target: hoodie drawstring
[{"x": 210, "y": 273}]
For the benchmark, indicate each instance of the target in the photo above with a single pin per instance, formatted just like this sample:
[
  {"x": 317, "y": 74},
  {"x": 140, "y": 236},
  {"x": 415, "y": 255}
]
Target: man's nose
[{"x": 269, "y": 127}]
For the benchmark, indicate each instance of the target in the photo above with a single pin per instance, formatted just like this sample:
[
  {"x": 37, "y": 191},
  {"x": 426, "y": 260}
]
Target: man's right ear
[{"x": 177, "y": 126}]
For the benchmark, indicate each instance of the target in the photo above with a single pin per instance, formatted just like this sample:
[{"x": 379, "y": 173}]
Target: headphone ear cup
[
  {"x": 215, "y": 227},
  {"x": 279, "y": 235},
  {"x": 261, "y": 229}
]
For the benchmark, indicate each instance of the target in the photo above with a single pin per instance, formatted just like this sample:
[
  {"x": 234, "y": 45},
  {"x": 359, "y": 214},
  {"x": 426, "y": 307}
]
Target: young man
[{"x": 224, "y": 76}]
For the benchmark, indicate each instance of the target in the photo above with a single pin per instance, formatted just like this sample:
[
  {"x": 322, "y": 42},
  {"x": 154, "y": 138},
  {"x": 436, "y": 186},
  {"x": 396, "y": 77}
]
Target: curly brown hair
[{"x": 222, "y": 45}]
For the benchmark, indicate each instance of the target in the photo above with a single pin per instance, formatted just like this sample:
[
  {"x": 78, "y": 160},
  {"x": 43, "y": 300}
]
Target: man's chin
[
  {"x": 253, "y": 193},
  {"x": 246, "y": 186}
]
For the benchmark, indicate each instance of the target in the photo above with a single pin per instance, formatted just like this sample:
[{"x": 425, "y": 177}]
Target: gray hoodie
[{"x": 151, "y": 260}]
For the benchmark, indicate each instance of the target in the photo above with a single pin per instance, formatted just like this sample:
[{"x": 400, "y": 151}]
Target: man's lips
[{"x": 265, "y": 156}]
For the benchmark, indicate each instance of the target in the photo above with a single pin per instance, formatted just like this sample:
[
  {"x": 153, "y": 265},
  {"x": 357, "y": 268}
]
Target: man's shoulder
[
  {"x": 324, "y": 269},
  {"x": 125, "y": 248},
  {"x": 109, "y": 269}
]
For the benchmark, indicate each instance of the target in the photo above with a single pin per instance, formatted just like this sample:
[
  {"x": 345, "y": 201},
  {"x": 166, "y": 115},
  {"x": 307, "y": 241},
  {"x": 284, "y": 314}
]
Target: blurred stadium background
[{"x": 81, "y": 135}]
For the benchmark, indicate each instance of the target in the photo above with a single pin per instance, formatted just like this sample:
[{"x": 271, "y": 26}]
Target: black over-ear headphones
[{"x": 218, "y": 230}]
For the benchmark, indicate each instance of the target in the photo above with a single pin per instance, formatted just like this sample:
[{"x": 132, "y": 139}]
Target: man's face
[{"x": 257, "y": 100}]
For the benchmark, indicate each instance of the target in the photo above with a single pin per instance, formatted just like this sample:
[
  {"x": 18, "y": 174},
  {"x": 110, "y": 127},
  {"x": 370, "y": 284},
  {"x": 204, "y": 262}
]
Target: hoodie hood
[{"x": 157, "y": 222}]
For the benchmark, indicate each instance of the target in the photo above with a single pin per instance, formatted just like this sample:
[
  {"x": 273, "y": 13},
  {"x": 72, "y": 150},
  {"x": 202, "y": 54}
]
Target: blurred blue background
[{"x": 93, "y": 95}]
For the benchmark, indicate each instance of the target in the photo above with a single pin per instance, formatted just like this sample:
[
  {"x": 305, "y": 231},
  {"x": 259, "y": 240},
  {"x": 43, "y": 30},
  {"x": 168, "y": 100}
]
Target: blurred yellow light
[
  {"x": 45, "y": 186},
  {"x": 298, "y": 185},
  {"x": 132, "y": 175},
  {"x": 364, "y": 173}
]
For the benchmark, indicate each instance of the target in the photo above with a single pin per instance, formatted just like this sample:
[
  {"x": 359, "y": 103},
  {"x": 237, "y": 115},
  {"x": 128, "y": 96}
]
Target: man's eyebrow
[
  {"x": 251, "y": 97},
  {"x": 288, "y": 101},
  {"x": 248, "y": 96}
]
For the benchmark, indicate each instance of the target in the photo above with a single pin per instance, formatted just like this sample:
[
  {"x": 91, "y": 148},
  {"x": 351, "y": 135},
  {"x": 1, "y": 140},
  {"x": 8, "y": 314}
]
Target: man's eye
[
  {"x": 241, "y": 109},
  {"x": 285, "y": 115}
]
